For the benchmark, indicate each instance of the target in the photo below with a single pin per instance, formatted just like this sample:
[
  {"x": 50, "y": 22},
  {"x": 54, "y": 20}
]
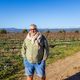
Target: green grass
[{"x": 62, "y": 50}]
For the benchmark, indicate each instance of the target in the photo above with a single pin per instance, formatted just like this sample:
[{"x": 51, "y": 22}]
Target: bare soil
[{"x": 65, "y": 69}]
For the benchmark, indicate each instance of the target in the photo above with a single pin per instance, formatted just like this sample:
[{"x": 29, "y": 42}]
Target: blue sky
[{"x": 43, "y": 13}]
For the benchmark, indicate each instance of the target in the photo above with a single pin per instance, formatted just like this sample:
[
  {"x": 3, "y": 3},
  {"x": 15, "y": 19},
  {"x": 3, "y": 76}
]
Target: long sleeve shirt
[{"x": 35, "y": 52}]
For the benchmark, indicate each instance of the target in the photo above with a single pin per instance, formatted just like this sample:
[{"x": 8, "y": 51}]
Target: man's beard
[{"x": 33, "y": 34}]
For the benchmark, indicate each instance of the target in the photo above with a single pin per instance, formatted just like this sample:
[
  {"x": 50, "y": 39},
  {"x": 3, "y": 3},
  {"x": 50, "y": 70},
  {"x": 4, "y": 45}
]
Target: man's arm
[
  {"x": 46, "y": 49},
  {"x": 23, "y": 50}
]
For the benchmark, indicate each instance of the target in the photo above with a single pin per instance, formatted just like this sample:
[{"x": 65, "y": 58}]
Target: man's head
[{"x": 33, "y": 28}]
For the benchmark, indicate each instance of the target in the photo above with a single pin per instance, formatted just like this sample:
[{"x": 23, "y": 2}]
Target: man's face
[{"x": 33, "y": 30}]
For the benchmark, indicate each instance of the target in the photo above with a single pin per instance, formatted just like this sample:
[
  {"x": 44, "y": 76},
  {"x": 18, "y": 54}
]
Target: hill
[{"x": 43, "y": 30}]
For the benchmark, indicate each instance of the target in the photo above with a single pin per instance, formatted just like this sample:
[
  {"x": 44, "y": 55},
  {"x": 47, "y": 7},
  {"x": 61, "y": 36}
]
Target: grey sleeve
[{"x": 46, "y": 49}]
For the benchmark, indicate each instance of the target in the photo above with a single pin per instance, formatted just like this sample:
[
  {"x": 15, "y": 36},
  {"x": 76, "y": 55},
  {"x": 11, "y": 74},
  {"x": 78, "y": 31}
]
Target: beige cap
[{"x": 33, "y": 26}]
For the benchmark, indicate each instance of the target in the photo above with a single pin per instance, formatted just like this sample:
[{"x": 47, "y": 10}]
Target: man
[{"x": 35, "y": 52}]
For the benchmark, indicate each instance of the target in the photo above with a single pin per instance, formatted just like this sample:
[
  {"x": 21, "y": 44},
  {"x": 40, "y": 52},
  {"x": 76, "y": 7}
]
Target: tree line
[{"x": 3, "y": 31}]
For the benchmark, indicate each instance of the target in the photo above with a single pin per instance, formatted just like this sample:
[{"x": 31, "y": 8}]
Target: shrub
[
  {"x": 62, "y": 31},
  {"x": 77, "y": 31},
  {"x": 3, "y": 31},
  {"x": 24, "y": 31}
]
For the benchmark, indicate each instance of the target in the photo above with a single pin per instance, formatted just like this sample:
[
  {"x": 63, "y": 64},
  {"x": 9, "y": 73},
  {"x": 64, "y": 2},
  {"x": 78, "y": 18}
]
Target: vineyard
[{"x": 11, "y": 62}]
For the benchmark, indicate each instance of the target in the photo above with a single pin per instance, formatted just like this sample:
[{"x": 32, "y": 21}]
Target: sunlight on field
[{"x": 11, "y": 62}]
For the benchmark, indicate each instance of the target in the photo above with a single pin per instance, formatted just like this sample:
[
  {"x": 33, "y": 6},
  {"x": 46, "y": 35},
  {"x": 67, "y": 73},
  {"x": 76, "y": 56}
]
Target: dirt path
[{"x": 64, "y": 69}]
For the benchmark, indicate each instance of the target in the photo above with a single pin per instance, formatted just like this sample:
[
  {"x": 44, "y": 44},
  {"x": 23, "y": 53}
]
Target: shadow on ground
[{"x": 74, "y": 77}]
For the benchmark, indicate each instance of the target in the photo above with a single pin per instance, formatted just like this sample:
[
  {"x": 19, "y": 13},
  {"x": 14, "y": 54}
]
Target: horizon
[
  {"x": 40, "y": 28},
  {"x": 49, "y": 14}
]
